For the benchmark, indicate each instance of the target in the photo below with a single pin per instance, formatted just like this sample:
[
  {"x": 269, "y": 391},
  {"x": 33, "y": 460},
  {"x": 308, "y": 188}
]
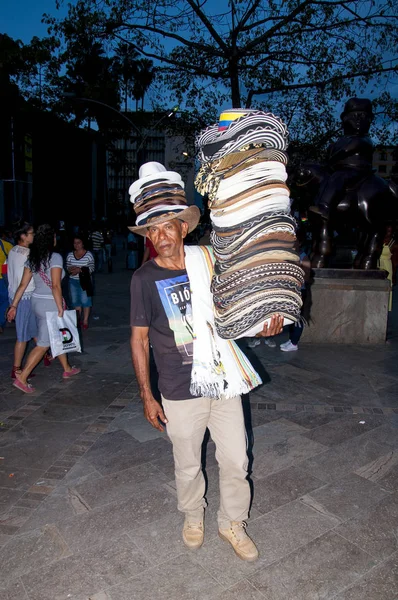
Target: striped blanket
[{"x": 219, "y": 366}]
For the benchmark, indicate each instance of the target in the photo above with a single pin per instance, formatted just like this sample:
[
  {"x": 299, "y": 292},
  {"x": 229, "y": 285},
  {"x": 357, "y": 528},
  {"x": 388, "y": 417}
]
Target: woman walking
[
  {"x": 44, "y": 266},
  {"x": 25, "y": 320},
  {"x": 80, "y": 265}
]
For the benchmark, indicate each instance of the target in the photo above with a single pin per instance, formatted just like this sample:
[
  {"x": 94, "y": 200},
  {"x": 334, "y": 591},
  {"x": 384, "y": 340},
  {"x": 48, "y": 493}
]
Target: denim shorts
[
  {"x": 25, "y": 321},
  {"x": 77, "y": 295}
]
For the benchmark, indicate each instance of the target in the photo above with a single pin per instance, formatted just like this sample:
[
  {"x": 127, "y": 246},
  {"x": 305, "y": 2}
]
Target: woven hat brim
[
  {"x": 257, "y": 119},
  {"x": 165, "y": 176},
  {"x": 190, "y": 215},
  {"x": 257, "y": 128}
]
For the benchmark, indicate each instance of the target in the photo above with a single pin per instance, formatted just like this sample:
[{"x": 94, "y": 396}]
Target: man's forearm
[{"x": 140, "y": 357}]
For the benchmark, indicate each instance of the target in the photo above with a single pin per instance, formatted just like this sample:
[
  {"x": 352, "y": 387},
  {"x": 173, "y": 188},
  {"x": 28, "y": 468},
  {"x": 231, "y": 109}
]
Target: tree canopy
[
  {"x": 297, "y": 58},
  {"x": 25, "y": 70}
]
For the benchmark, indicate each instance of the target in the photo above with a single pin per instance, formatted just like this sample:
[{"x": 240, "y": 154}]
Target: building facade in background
[
  {"x": 50, "y": 170},
  {"x": 144, "y": 143},
  {"x": 385, "y": 161}
]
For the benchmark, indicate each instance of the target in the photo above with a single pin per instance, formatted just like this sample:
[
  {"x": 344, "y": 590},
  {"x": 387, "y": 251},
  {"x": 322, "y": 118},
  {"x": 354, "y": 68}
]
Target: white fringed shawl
[{"x": 219, "y": 367}]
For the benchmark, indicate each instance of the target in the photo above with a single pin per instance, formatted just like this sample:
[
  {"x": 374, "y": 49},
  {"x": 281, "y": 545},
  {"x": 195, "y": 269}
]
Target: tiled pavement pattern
[{"x": 87, "y": 497}]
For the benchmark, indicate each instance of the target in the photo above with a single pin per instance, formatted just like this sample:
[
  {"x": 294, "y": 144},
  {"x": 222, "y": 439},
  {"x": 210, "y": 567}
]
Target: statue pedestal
[{"x": 349, "y": 306}]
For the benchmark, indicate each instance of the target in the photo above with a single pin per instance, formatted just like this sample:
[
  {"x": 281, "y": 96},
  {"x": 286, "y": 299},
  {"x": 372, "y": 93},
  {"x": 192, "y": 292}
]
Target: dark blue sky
[{"x": 21, "y": 19}]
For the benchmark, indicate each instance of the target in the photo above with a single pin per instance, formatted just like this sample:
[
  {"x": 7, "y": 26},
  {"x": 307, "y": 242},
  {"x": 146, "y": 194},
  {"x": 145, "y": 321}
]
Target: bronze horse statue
[
  {"x": 368, "y": 207},
  {"x": 347, "y": 192}
]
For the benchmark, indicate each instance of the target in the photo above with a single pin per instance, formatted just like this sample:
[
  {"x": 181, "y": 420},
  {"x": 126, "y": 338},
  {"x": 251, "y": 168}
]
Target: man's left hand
[{"x": 274, "y": 327}]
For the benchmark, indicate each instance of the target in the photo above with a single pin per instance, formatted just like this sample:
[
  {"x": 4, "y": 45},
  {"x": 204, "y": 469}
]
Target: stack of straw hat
[
  {"x": 158, "y": 196},
  {"x": 243, "y": 173}
]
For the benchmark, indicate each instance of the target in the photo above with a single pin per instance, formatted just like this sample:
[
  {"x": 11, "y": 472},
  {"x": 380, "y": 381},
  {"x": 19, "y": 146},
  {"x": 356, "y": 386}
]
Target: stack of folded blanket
[{"x": 243, "y": 173}]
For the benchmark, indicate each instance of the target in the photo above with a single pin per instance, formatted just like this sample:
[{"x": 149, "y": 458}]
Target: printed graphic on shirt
[{"x": 175, "y": 296}]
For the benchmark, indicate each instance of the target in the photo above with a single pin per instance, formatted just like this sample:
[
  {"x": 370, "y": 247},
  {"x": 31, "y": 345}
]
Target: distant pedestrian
[
  {"x": 108, "y": 236},
  {"x": 25, "y": 320},
  {"x": 80, "y": 266},
  {"x": 257, "y": 341},
  {"x": 97, "y": 241},
  {"x": 8, "y": 236},
  {"x": 44, "y": 266},
  {"x": 296, "y": 329},
  {"x": 149, "y": 252},
  {"x": 132, "y": 252},
  {"x": 62, "y": 240},
  {"x": 389, "y": 259},
  {"x": 5, "y": 248}
]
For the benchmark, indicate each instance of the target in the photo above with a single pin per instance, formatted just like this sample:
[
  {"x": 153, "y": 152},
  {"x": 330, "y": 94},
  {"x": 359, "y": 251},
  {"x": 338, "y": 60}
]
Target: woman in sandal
[
  {"x": 44, "y": 266},
  {"x": 25, "y": 319}
]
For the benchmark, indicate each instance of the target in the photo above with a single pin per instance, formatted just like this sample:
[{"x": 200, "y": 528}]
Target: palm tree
[
  {"x": 90, "y": 73},
  {"x": 127, "y": 58},
  {"x": 144, "y": 76}
]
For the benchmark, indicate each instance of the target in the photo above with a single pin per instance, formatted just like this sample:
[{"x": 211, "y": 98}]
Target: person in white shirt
[
  {"x": 80, "y": 266},
  {"x": 97, "y": 240},
  {"x": 45, "y": 267},
  {"x": 25, "y": 320}
]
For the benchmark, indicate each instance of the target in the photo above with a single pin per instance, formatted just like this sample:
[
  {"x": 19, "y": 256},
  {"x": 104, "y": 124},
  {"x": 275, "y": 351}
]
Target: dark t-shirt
[{"x": 161, "y": 300}]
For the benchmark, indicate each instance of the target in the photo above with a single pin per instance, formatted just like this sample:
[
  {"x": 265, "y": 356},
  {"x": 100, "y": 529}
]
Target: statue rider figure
[{"x": 349, "y": 158}]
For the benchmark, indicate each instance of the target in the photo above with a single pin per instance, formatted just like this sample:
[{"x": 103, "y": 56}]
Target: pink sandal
[
  {"x": 14, "y": 370},
  {"x": 74, "y": 371},
  {"x": 24, "y": 387},
  {"x": 48, "y": 359}
]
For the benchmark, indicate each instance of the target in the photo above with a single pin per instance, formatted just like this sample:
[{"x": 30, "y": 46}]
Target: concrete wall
[{"x": 345, "y": 311}]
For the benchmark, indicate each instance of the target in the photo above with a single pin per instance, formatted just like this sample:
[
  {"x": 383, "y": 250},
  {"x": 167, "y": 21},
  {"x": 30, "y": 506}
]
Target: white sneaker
[
  {"x": 288, "y": 347},
  {"x": 270, "y": 342},
  {"x": 254, "y": 343}
]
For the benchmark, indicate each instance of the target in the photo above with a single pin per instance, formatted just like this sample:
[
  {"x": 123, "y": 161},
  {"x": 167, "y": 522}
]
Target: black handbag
[{"x": 85, "y": 281}]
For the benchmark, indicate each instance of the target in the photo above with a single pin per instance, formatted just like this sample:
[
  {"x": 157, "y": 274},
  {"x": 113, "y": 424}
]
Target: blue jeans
[
  {"x": 78, "y": 296},
  {"x": 3, "y": 302},
  {"x": 99, "y": 259},
  {"x": 295, "y": 331}
]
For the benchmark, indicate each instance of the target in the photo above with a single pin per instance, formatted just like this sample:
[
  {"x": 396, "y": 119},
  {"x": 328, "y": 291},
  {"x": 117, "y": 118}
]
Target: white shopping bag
[{"x": 64, "y": 336}]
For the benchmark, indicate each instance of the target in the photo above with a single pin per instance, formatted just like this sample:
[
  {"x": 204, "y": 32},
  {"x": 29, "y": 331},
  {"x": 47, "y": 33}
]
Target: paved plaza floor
[{"x": 87, "y": 496}]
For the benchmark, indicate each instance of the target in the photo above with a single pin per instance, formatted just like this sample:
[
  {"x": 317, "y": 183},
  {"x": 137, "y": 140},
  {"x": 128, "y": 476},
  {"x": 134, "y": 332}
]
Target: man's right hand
[{"x": 153, "y": 412}]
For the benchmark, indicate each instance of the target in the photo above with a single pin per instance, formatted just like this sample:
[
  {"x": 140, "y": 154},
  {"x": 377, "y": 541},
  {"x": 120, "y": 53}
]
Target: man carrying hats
[{"x": 201, "y": 376}]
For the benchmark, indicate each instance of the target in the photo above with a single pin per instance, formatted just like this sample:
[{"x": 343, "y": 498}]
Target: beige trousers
[{"x": 187, "y": 422}]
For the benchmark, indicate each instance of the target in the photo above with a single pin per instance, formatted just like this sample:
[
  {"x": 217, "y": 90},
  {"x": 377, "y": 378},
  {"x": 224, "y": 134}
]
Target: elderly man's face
[{"x": 168, "y": 237}]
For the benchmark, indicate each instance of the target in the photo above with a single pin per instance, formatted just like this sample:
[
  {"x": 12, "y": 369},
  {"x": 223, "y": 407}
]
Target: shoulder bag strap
[{"x": 47, "y": 281}]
